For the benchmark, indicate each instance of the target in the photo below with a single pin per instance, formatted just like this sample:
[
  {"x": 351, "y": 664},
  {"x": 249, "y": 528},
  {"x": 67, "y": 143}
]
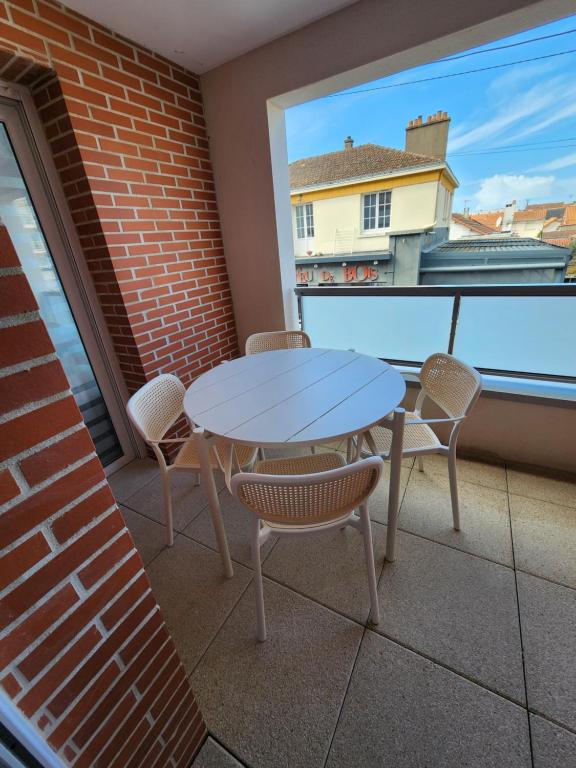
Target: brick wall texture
[
  {"x": 127, "y": 134},
  {"x": 84, "y": 652}
]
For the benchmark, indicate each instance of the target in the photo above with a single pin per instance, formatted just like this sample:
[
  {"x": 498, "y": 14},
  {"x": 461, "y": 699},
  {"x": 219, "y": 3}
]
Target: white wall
[{"x": 412, "y": 207}]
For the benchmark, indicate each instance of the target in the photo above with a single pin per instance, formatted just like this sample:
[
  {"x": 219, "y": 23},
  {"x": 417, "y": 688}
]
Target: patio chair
[
  {"x": 156, "y": 407},
  {"x": 306, "y": 495},
  {"x": 270, "y": 340},
  {"x": 454, "y": 387}
]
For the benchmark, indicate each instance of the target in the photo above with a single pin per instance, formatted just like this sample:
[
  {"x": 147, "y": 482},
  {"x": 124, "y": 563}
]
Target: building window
[
  {"x": 377, "y": 210},
  {"x": 304, "y": 221}
]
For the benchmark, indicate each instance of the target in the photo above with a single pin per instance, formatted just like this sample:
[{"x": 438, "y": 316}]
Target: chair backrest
[
  {"x": 155, "y": 407},
  {"x": 308, "y": 499},
  {"x": 270, "y": 340},
  {"x": 450, "y": 383}
]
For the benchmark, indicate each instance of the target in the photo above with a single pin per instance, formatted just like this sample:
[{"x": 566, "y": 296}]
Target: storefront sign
[{"x": 352, "y": 274}]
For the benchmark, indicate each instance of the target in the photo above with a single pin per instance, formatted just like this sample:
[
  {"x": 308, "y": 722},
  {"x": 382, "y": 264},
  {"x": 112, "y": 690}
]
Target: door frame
[{"x": 35, "y": 159}]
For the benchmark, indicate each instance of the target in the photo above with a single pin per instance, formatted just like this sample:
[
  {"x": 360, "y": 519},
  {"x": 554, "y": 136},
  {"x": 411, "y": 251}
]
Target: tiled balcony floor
[{"x": 472, "y": 663}]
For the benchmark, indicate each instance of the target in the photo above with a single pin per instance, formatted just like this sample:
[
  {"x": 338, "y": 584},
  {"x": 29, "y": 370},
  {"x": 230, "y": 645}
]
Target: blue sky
[{"x": 531, "y": 104}]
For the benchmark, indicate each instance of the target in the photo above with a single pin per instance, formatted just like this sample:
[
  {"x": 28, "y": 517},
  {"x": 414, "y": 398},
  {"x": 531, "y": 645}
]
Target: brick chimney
[
  {"x": 348, "y": 142},
  {"x": 430, "y": 137}
]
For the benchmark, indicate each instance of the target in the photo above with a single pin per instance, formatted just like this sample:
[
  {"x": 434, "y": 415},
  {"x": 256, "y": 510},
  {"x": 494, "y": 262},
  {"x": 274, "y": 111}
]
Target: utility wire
[
  {"x": 529, "y": 144},
  {"x": 453, "y": 74},
  {"x": 504, "y": 47},
  {"x": 506, "y": 152}
]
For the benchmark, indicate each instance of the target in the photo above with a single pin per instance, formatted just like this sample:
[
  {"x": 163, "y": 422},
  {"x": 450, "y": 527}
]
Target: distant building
[
  {"x": 464, "y": 225},
  {"x": 348, "y": 206},
  {"x": 491, "y": 260},
  {"x": 373, "y": 215}
]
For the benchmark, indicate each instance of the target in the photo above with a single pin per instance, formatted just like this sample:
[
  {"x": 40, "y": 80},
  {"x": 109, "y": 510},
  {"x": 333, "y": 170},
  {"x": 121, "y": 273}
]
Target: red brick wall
[
  {"x": 127, "y": 133},
  {"x": 84, "y": 652}
]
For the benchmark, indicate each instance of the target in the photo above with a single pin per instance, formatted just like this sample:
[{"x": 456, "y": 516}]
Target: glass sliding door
[{"x": 21, "y": 199}]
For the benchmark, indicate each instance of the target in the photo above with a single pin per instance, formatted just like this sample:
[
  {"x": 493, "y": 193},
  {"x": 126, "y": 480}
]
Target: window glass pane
[
  {"x": 309, "y": 220},
  {"x": 531, "y": 334},
  {"x": 370, "y": 211},
  {"x": 18, "y": 215},
  {"x": 300, "y": 221},
  {"x": 395, "y": 327}
]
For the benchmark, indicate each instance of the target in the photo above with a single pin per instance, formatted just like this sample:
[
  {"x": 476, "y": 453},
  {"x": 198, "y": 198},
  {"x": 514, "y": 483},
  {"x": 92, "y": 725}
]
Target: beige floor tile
[
  {"x": 188, "y": 499},
  {"x": 544, "y": 488},
  {"x": 458, "y": 609},
  {"x": 131, "y": 478},
  {"x": 212, "y": 755},
  {"x": 329, "y": 568},
  {"x": 484, "y": 518},
  {"x": 544, "y": 539},
  {"x": 379, "y": 500},
  {"x": 276, "y": 703},
  {"x": 552, "y": 746},
  {"x": 194, "y": 595},
  {"x": 490, "y": 475},
  {"x": 149, "y": 536},
  {"x": 548, "y": 616},
  {"x": 403, "y": 711},
  {"x": 237, "y": 521}
]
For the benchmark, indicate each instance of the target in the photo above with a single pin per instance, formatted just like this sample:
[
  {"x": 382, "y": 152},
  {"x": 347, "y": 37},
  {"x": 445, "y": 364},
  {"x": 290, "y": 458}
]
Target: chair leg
[
  {"x": 369, "y": 553},
  {"x": 394, "y": 487},
  {"x": 420, "y": 460},
  {"x": 258, "y": 584},
  {"x": 452, "y": 474},
  {"x": 168, "y": 507}
]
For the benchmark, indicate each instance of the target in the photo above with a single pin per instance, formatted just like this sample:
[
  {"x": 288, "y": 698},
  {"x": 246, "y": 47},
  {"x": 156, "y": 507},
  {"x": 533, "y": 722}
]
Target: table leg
[
  {"x": 213, "y": 502},
  {"x": 394, "y": 490}
]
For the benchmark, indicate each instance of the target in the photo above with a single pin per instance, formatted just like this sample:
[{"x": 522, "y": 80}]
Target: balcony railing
[{"x": 523, "y": 331}]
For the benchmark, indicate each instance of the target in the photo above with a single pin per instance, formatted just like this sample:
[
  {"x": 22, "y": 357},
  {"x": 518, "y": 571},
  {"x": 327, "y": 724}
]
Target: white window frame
[
  {"x": 304, "y": 213},
  {"x": 387, "y": 193}
]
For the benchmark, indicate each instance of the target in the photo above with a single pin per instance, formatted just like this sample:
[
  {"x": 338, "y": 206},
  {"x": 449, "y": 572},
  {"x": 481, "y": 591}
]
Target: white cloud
[
  {"x": 560, "y": 162},
  {"x": 518, "y": 106},
  {"x": 495, "y": 191}
]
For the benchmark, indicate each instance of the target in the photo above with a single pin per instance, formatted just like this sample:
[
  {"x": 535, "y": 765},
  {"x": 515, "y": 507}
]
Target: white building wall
[{"x": 338, "y": 220}]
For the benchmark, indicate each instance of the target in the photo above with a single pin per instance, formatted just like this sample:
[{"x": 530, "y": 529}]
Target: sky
[{"x": 512, "y": 131}]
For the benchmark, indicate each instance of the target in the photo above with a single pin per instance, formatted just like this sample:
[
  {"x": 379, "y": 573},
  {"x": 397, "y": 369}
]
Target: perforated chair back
[
  {"x": 308, "y": 499},
  {"x": 271, "y": 340},
  {"x": 450, "y": 383},
  {"x": 156, "y": 406}
]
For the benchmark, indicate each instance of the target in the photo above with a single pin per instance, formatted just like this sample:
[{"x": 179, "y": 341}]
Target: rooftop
[
  {"x": 354, "y": 163},
  {"x": 473, "y": 224}
]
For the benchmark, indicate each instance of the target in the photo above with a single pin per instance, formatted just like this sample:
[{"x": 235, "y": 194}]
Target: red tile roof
[
  {"x": 473, "y": 225},
  {"x": 364, "y": 160},
  {"x": 492, "y": 219}
]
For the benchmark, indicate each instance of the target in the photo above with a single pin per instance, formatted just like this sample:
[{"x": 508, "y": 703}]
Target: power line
[
  {"x": 506, "y": 152},
  {"x": 504, "y": 47},
  {"x": 529, "y": 144},
  {"x": 453, "y": 74}
]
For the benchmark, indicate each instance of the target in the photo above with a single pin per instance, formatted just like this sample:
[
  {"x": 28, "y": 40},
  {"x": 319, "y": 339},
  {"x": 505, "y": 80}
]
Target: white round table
[{"x": 292, "y": 397}]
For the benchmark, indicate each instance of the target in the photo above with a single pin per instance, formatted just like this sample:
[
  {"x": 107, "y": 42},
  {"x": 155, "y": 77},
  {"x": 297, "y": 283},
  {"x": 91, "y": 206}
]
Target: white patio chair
[
  {"x": 156, "y": 407},
  {"x": 305, "y": 495},
  {"x": 454, "y": 387},
  {"x": 271, "y": 340}
]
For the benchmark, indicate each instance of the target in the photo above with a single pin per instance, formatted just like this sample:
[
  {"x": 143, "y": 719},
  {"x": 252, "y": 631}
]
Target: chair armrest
[
  {"x": 434, "y": 421},
  {"x": 170, "y": 440}
]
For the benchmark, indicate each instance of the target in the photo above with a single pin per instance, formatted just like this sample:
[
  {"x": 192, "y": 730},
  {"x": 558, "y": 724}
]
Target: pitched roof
[
  {"x": 565, "y": 237},
  {"x": 484, "y": 252},
  {"x": 530, "y": 214},
  {"x": 569, "y": 215},
  {"x": 496, "y": 244},
  {"x": 352, "y": 163},
  {"x": 489, "y": 219},
  {"x": 470, "y": 223}
]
